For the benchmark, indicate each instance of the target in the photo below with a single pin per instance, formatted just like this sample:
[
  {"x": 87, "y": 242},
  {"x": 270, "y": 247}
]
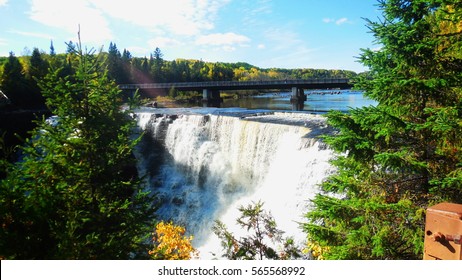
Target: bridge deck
[{"x": 239, "y": 85}]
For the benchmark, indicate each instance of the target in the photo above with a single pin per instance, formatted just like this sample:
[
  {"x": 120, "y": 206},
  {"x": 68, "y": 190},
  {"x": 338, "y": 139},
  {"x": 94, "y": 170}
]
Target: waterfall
[{"x": 204, "y": 166}]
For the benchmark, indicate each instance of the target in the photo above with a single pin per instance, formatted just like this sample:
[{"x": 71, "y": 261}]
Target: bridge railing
[{"x": 234, "y": 83}]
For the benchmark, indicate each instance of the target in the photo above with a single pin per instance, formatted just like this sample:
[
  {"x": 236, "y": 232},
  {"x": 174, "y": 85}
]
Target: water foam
[{"x": 213, "y": 164}]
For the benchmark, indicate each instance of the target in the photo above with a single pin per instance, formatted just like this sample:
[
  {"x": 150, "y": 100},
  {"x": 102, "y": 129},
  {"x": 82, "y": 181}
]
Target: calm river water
[{"x": 319, "y": 101}]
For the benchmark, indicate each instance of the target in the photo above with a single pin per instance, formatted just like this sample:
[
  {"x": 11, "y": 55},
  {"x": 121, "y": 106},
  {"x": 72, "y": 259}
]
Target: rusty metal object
[{"x": 443, "y": 232}]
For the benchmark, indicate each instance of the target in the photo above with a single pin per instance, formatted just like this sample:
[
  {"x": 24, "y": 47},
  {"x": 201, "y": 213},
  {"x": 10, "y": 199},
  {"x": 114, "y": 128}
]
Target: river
[{"x": 318, "y": 101}]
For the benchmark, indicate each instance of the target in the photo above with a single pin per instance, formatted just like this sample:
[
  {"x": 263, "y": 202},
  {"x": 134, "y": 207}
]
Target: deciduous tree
[
  {"x": 170, "y": 243},
  {"x": 263, "y": 236}
]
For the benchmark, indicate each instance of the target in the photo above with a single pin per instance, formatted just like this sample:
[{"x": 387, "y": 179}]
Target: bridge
[{"x": 211, "y": 90}]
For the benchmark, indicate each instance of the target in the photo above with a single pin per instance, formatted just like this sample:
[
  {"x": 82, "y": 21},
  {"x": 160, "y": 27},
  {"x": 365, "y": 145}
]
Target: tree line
[
  {"x": 124, "y": 68},
  {"x": 19, "y": 75}
]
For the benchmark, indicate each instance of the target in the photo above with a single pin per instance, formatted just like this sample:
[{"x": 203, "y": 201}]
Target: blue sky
[{"x": 324, "y": 34}]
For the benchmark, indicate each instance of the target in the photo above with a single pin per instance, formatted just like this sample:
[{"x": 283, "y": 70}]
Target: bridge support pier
[
  {"x": 211, "y": 98},
  {"x": 297, "y": 99}
]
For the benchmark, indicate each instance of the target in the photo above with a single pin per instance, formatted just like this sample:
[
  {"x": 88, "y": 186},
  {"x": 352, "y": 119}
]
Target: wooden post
[{"x": 443, "y": 232}]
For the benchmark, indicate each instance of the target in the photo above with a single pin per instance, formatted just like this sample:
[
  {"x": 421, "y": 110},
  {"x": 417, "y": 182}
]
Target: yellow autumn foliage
[
  {"x": 447, "y": 23},
  {"x": 317, "y": 251},
  {"x": 170, "y": 243}
]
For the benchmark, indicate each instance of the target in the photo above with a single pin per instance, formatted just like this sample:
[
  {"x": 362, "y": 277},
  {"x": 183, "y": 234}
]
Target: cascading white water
[{"x": 213, "y": 164}]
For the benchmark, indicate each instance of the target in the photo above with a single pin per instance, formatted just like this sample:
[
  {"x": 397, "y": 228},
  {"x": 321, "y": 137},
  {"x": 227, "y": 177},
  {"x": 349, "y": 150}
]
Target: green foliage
[
  {"x": 14, "y": 83},
  {"x": 76, "y": 193},
  {"x": 37, "y": 71},
  {"x": 123, "y": 68},
  {"x": 405, "y": 154},
  {"x": 263, "y": 232}
]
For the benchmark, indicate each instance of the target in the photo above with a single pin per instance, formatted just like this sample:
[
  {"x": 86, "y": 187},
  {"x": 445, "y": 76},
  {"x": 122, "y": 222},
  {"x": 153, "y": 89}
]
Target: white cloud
[
  {"x": 228, "y": 48},
  {"x": 287, "y": 48},
  {"x": 162, "y": 42},
  {"x": 299, "y": 56},
  {"x": 69, "y": 16},
  {"x": 138, "y": 51},
  {"x": 339, "y": 21},
  {"x": 3, "y": 2},
  {"x": 32, "y": 34},
  {"x": 163, "y": 20},
  {"x": 180, "y": 17},
  {"x": 261, "y": 46},
  {"x": 262, "y": 7},
  {"x": 282, "y": 39},
  {"x": 222, "y": 39},
  {"x": 3, "y": 42}
]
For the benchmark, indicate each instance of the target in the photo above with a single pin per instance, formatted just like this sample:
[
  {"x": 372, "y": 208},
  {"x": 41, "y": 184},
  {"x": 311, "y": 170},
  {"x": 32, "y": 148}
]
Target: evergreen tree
[
  {"x": 405, "y": 154},
  {"x": 76, "y": 193},
  {"x": 71, "y": 47},
  {"x": 126, "y": 55},
  {"x": 156, "y": 65},
  {"x": 37, "y": 71},
  {"x": 145, "y": 66},
  {"x": 52, "y": 49},
  {"x": 126, "y": 63},
  {"x": 115, "y": 65},
  {"x": 14, "y": 82}
]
